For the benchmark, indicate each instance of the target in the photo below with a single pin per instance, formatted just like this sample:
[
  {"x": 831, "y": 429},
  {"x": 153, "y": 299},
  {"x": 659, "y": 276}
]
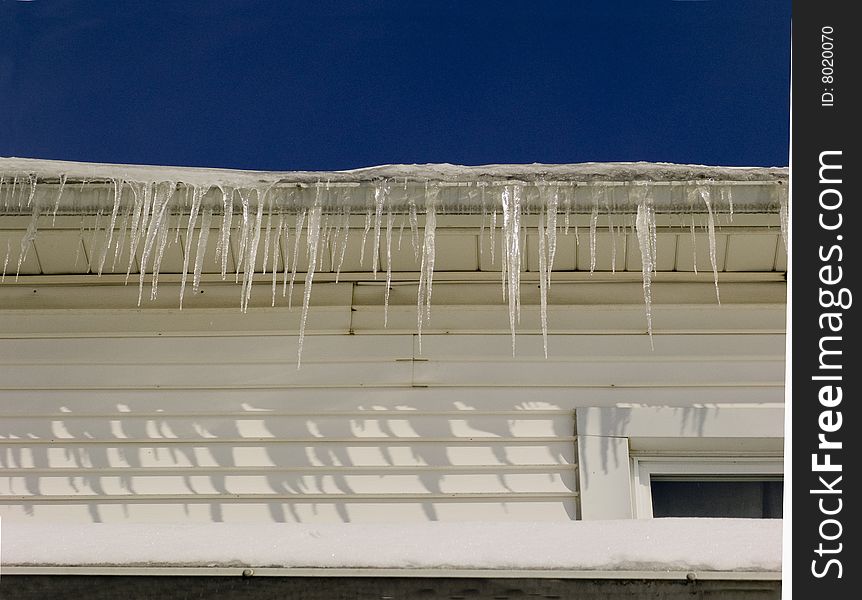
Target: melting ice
[{"x": 267, "y": 229}]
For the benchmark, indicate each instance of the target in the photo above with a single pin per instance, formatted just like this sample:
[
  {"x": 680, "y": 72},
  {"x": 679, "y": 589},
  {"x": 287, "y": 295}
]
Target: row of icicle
[{"x": 142, "y": 211}]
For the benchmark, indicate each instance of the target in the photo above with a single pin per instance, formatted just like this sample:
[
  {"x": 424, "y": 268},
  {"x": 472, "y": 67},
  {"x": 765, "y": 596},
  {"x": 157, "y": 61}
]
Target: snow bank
[{"x": 651, "y": 545}]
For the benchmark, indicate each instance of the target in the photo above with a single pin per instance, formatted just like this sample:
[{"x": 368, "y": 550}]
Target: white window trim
[{"x": 645, "y": 467}]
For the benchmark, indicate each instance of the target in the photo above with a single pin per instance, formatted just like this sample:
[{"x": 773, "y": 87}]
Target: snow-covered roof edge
[{"x": 443, "y": 172}]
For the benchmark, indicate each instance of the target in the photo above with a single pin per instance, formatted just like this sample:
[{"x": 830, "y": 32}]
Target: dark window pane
[{"x": 740, "y": 499}]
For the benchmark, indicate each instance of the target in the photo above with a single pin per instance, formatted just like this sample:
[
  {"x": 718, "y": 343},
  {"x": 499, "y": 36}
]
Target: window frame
[{"x": 644, "y": 468}]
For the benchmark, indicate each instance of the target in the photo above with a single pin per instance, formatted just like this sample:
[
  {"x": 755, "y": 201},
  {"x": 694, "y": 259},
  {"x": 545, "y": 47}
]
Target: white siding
[{"x": 221, "y": 426}]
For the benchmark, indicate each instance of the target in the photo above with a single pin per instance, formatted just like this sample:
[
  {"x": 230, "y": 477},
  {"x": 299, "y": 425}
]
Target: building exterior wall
[{"x": 156, "y": 415}]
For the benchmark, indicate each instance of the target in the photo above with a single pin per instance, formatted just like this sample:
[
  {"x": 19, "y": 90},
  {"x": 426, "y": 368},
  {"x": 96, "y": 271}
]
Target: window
[{"x": 707, "y": 487}]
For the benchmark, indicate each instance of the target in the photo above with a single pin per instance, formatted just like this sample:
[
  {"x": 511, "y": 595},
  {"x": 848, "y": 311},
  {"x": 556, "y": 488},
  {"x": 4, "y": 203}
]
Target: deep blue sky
[{"x": 333, "y": 85}]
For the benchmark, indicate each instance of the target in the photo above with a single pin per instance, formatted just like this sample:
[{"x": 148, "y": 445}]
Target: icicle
[
  {"x": 543, "y": 278},
  {"x": 693, "y": 234},
  {"x": 121, "y": 240},
  {"x": 163, "y": 235},
  {"x": 157, "y": 218},
  {"x": 493, "y": 233},
  {"x": 140, "y": 211},
  {"x": 197, "y": 195},
  {"x": 707, "y": 199},
  {"x": 594, "y": 220},
  {"x": 222, "y": 250},
  {"x": 267, "y": 241},
  {"x": 345, "y": 229},
  {"x": 275, "y": 255},
  {"x": 57, "y": 199},
  {"x": 553, "y": 206},
  {"x": 32, "y": 192},
  {"x": 80, "y": 245},
  {"x": 312, "y": 242},
  {"x": 482, "y": 228},
  {"x": 414, "y": 226},
  {"x": 244, "y": 198},
  {"x": 511, "y": 258},
  {"x": 286, "y": 245},
  {"x": 783, "y": 215},
  {"x": 381, "y": 190},
  {"x": 27, "y": 239},
  {"x": 368, "y": 216},
  {"x": 203, "y": 236},
  {"x": 426, "y": 270},
  {"x": 251, "y": 251},
  {"x": 389, "y": 219},
  {"x": 118, "y": 197},
  {"x": 727, "y": 197},
  {"x": 613, "y": 236},
  {"x": 6, "y": 262},
  {"x": 645, "y": 226},
  {"x": 92, "y": 258},
  {"x": 300, "y": 220}
]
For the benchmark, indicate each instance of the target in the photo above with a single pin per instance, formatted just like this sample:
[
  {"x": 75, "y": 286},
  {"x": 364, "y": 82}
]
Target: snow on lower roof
[{"x": 748, "y": 545}]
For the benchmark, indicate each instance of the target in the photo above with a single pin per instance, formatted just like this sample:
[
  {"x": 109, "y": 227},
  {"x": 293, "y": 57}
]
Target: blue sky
[{"x": 335, "y": 85}]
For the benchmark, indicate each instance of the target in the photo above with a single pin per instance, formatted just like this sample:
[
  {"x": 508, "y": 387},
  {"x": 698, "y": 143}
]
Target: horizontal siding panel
[
  {"x": 618, "y": 373},
  {"x": 330, "y": 349},
  {"x": 707, "y": 318},
  {"x": 204, "y": 350},
  {"x": 608, "y": 348},
  {"x": 370, "y": 402},
  {"x": 290, "y": 427},
  {"x": 404, "y": 511},
  {"x": 156, "y": 454},
  {"x": 205, "y": 376},
  {"x": 294, "y": 484}
]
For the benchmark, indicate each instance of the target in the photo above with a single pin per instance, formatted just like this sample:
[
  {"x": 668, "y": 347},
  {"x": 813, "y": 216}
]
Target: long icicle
[
  {"x": 312, "y": 242},
  {"x": 197, "y": 195},
  {"x": 426, "y": 269},
  {"x": 203, "y": 236},
  {"x": 705, "y": 193},
  {"x": 645, "y": 226}
]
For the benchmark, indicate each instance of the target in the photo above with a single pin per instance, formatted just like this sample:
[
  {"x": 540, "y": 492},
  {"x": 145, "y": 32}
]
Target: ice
[
  {"x": 223, "y": 246},
  {"x": 345, "y": 231},
  {"x": 57, "y": 199},
  {"x": 426, "y": 270},
  {"x": 267, "y": 238},
  {"x": 784, "y": 215},
  {"x": 253, "y": 237},
  {"x": 645, "y": 228},
  {"x": 297, "y": 234},
  {"x": 381, "y": 191},
  {"x": 547, "y": 235},
  {"x": 200, "y": 252},
  {"x": 706, "y": 194},
  {"x": 510, "y": 200},
  {"x": 157, "y": 212},
  {"x": 369, "y": 214},
  {"x": 594, "y": 220},
  {"x": 140, "y": 210},
  {"x": 193, "y": 217},
  {"x": 313, "y": 240},
  {"x": 141, "y": 193},
  {"x": 275, "y": 255},
  {"x": 389, "y": 220},
  {"x": 6, "y": 260},
  {"x": 27, "y": 239},
  {"x": 118, "y": 198}
]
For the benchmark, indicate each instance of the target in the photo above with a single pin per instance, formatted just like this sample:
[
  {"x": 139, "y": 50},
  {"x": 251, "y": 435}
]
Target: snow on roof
[
  {"x": 443, "y": 172},
  {"x": 622, "y": 545}
]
